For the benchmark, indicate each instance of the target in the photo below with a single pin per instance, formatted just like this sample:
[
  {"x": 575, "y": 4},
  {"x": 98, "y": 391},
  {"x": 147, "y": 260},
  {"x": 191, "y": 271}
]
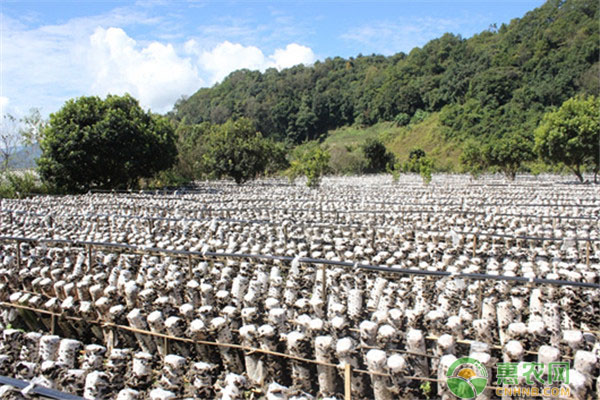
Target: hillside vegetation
[
  {"x": 521, "y": 97},
  {"x": 496, "y": 83}
]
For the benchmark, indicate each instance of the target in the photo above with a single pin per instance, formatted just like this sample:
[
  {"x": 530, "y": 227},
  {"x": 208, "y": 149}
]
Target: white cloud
[
  {"x": 293, "y": 54},
  {"x": 154, "y": 74},
  {"x": 45, "y": 65},
  {"x": 227, "y": 57}
]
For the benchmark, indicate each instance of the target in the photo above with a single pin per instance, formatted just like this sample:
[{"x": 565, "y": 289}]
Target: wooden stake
[
  {"x": 480, "y": 300},
  {"x": 18, "y": 254},
  {"x": 474, "y": 245},
  {"x": 324, "y": 288},
  {"x": 347, "y": 382},
  {"x": 587, "y": 253},
  {"x": 90, "y": 258},
  {"x": 191, "y": 267},
  {"x": 52, "y": 324},
  {"x": 165, "y": 346},
  {"x": 110, "y": 339}
]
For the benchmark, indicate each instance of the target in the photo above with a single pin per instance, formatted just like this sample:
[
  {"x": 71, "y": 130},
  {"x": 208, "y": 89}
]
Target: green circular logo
[{"x": 466, "y": 378}]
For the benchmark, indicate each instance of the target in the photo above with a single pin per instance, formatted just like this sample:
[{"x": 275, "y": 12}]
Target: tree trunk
[
  {"x": 510, "y": 173},
  {"x": 577, "y": 172}
]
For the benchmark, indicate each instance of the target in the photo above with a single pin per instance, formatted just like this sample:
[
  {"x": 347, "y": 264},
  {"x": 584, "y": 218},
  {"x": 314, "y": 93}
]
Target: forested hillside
[{"x": 498, "y": 82}]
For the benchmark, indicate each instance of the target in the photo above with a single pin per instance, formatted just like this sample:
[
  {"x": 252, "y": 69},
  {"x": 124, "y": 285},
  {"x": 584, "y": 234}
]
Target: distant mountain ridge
[
  {"x": 499, "y": 81},
  {"x": 24, "y": 157}
]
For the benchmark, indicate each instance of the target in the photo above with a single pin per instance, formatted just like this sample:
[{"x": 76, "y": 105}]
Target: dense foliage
[
  {"x": 378, "y": 158},
  {"x": 236, "y": 150},
  {"x": 509, "y": 152},
  {"x": 112, "y": 143},
  {"x": 312, "y": 163},
  {"x": 419, "y": 163},
  {"x": 571, "y": 135},
  {"x": 498, "y": 82}
]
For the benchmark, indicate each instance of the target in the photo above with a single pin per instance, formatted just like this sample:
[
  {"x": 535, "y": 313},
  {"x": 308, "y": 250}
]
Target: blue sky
[{"x": 160, "y": 50}]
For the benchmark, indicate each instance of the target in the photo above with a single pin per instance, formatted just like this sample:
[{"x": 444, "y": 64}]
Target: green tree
[
  {"x": 570, "y": 135},
  {"x": 508, "y": 153},
  {"x": 313, "y": 163},
  {"x": 112, "y": 143},
  {"x": 190, "y": 149},
  {"x": 377, "y": 156},
  {"x": 277, "y": 160},
  {"x": 402, "y": 119},
  {"x": 473, "y": 158},
  {"x": 235, "y": 149},
  {"x": 419, "y": 162}
]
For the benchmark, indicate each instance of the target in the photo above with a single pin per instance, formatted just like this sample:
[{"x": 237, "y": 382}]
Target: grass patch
[
  {"x": 354, "y": 136},
  {"x": 426, "y": 135}
]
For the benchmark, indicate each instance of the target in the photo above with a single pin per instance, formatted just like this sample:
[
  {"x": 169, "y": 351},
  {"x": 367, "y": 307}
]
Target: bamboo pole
[{"x": 347, "y": 382}]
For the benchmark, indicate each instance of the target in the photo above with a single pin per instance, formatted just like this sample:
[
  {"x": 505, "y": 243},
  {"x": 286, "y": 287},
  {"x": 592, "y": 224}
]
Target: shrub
[
  {"x": 346, "y": 161},
  {"x": 313, "y": 163},
  {"x": 402, "y": 119},
  {"x": 17, "y": 185},
  {"x": 419, "y": 162},
  {"x": 376, "y": 155},
  {"x": 419, "y": 116}
]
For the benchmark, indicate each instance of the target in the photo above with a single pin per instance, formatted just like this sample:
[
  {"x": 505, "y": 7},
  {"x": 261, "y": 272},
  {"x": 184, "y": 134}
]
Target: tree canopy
[
  {"x": 237, "y": 150},
  {"x": 377, "y": 156},
  {"x": 571, "y": 134},
  {"x": 312, "y": 163},
  {"x": 112, "y": 143}
]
